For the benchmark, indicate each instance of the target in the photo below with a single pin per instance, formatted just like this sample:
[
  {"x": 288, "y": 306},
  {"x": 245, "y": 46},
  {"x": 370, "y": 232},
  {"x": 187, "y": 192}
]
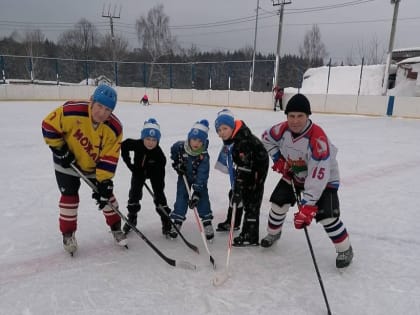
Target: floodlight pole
[
  {"x": 251, "y": 82},
  {"x": 281, "y": 3},
  {"x": 111, "y": 17},
  {"x": 396, "y": 4}
]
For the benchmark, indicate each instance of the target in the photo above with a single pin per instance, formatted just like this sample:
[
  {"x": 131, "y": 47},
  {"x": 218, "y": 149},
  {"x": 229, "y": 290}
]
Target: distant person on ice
[
  {"x": 148, "y": 162},
  {"x": 87, "y": 134},
  {"x": 145, "y": 100},
  {"x": 278, "y": 97},
  {"x": 302, "y": 153}
]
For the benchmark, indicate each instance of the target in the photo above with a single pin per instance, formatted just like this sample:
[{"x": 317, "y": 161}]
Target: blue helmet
[{"x": 105, "y": 95}]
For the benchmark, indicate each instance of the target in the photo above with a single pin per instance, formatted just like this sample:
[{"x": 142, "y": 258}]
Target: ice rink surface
[{"x": 379, "y": 160}]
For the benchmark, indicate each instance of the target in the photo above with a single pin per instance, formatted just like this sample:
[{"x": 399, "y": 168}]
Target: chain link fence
[{"x": 223, "y": 75}]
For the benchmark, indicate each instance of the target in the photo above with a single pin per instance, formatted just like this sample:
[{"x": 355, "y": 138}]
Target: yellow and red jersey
[{"x": 96, "y": 148}]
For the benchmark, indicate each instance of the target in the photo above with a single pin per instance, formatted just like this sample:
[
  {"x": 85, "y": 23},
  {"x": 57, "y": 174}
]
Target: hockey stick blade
[
  {"x": 168, "y": 260},
  {"x": 186, "y": 265},
  {"x": 213, "y": 262},
  {"x": 160, "y": 209},
  {"x": 220, "y": 278},
  {"x": 190, "y": 245}
]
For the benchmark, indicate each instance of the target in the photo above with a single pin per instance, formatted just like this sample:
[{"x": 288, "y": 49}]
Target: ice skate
[
  {"x": 245, "y": 239},
  {"x": 208, "y": 231},
  {"x": 69, "y": 242},
  {"x": 225, "y": 226},
  {"x": 119, "y": 237},
  {"x": 173, "y": 232},
  {"x": 249, "y": 235},
  {"x": 166, "y": 228},
  {"x": 270, "y": 239},
  {"x": 132, "y": 218},
  {"x": 344, "y": 258}
]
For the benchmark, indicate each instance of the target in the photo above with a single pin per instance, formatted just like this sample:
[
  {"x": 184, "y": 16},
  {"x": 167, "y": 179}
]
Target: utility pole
[
  {"x": 396, "y": 4},
  {"x": 111, "y": 23},
  {"x": 251, "y": 82},
  {"x": 281, "y": 3}
]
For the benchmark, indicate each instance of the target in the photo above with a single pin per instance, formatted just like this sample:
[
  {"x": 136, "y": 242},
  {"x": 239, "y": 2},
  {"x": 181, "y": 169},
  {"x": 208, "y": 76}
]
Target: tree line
[{"x": 159, "y": 61}]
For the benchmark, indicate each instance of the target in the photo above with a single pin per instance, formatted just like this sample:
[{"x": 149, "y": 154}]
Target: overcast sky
[{"x": 346, "y": 25}]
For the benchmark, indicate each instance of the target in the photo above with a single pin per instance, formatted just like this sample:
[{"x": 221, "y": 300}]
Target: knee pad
[{"x": 280, "y": 210}]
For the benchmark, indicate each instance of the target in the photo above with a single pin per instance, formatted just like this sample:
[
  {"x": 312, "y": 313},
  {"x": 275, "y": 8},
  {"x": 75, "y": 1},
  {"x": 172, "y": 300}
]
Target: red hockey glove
[
  {"x": 281, "y": 166},
  {"x": 304, "y": 216}
]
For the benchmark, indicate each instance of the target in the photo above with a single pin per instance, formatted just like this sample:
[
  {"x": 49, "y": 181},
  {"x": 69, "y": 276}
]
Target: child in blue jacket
[{"x": 191, "y": 159}]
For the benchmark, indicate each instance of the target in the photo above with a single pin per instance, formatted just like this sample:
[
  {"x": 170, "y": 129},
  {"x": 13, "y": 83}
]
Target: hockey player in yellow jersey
[{"x": 87, "y": 134}]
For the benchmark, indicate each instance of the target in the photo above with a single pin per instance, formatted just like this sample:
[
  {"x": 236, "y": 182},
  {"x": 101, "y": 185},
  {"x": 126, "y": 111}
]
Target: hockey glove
[
  {"x": 195, "y": 198},
  {"x": 304, "y": 216},
  {"x": 180, "y": 168},
  {"x": 237, "y": 193},
  {"x": 63, "y": 156},
  {"x": 105, "y": 189},
  {"x": 281, "y": 166}
]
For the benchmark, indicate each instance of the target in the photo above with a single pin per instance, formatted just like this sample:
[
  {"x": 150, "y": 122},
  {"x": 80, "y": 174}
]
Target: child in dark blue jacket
[{"x": 191, "y": 159}]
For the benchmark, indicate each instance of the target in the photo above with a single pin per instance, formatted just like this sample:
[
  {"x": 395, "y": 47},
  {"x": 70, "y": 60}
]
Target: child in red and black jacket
[{"x": 251, "y": 161}]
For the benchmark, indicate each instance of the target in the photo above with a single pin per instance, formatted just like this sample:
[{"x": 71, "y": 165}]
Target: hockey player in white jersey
[{"x": 302, "y": 153}]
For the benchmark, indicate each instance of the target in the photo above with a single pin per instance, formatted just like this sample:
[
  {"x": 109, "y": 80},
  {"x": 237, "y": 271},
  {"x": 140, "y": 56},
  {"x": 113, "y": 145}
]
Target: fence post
[
  {"x": 229, "y": 69},
  {"x": 329, "y": 72},
  {"x": 56, "y": 72},
  {"x": 171, "y": 78},
  {"x": 3, "y": 73},
  {"x": 116, "y": 73},
  {"x": 209, "y": 76},
  {"x": 87, "y": 72},
  {"x": 192, "y": 75},
  {"x": 144, "y": 74},
  {"x": 30, "y": 70},
  {"x": 360, "y": 78}
]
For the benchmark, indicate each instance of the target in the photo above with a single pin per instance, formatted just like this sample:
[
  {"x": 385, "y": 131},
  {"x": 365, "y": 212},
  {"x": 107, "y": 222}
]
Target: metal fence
[{"x": 222, "y": 75}]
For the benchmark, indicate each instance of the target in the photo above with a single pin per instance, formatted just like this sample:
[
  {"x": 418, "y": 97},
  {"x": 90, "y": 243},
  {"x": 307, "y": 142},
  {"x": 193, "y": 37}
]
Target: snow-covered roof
[
  {"x": 406, "y": 49},
  {"x": 410, "y": 60}
]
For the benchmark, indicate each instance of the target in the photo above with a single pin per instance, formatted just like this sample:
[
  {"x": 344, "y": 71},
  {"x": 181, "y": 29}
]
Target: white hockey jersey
[{"x": 311, "y": 156}]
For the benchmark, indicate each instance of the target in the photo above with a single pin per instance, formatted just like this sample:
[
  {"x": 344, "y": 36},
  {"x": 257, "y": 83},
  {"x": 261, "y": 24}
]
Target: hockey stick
[
  {"x": 170, "y": 261},
  {"x": 199, "y": 223},
  {"x": 221, "y": 277},
  {"x": 160, "y": 208},
  {"x": 311, "y": 250}
]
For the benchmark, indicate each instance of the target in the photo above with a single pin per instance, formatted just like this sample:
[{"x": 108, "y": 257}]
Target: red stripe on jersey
[
  {"x": 277, "y": 131},
  {"x": 76, "y": 108},
  {"x": 115, "y": 125}
]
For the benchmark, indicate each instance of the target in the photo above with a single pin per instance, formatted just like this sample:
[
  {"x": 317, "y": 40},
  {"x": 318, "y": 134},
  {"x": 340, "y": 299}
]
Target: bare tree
[
  {"x": 33, "y": 42},
  {"x": 154, "y": 35},
  {"x": 373, "y": 51},
  {"x": 313, "y": 49},
  {"x": 79, "y": 42},
  {"x": 119, "y": 45}
]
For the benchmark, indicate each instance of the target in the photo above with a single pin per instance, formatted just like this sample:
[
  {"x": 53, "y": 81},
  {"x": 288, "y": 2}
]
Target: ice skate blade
[{"x": 245, "y": 245}]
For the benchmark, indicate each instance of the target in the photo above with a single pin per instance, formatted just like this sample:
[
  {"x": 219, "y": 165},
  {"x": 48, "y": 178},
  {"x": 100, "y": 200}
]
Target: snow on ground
[{"x": 379, "y": 163}]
